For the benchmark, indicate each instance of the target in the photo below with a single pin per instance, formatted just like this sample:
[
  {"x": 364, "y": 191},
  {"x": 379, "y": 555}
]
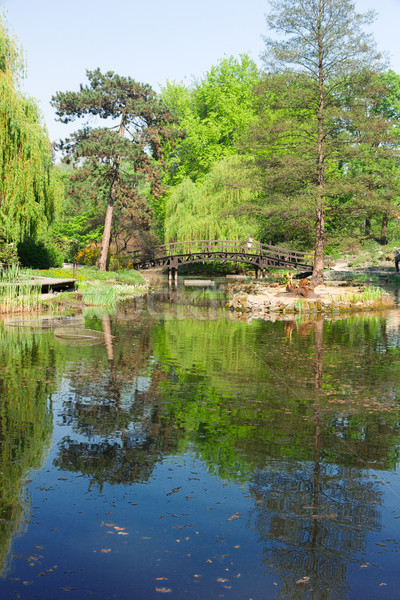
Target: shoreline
[{"x": 262, "y": 299}]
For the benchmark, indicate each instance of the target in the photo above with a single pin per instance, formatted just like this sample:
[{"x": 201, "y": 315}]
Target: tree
[
  {"x": 126, "y": 157},
  {"x": 30, "y": 192},
  {"x": 205, "y": 210},
  {"x": 379, "y": 172},
  {"x": 311, "y": 75},
  {"x": 212, "y": 114}
]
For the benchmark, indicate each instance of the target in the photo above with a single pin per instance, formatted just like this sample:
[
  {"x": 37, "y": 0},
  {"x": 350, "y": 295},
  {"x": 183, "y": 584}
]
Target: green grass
[
  {"x": 91, "y": 274},
  {"x": 96, "y": 294}
]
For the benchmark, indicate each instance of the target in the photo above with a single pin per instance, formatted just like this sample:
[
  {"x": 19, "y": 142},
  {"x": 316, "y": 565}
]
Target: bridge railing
[{"x": 192, "y": 247}]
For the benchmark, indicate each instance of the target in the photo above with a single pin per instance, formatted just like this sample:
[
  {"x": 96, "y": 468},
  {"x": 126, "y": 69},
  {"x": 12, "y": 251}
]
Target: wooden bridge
[{"x": 260, "y": 256}]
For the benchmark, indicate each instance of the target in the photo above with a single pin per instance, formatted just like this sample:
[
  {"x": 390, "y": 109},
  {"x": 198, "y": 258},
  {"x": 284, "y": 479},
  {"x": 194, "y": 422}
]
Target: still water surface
[{"x": 194, "y": 455}]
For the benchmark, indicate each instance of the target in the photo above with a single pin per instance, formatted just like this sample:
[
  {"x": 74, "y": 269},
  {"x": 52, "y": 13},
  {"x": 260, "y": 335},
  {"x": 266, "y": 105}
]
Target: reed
[
  {"x": 108, "y": 295},
  {"x": 18, "y": 291}
]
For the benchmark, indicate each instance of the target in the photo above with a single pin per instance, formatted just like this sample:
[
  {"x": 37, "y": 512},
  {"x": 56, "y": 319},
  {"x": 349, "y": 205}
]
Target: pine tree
[{"x": 127, "y": 154}]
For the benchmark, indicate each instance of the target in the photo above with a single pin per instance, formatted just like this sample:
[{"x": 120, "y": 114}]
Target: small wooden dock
[{"x": 50, "y": 284}]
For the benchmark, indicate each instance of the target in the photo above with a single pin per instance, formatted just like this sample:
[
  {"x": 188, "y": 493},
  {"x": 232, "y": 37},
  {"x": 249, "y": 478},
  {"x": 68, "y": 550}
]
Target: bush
[
  {"x": 69, "y": 248},
  {"x": 8, "y": 253},
  {"x": 88, "y": 255},
  {"x": 119, "y": 261},
  {"x": 35, "y": 254}
]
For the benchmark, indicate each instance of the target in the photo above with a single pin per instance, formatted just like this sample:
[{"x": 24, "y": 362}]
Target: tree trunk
[
  {"x": 368, "y": 226},
  {"x": 385, "y": 220},
  {"x": 105, "y": 243},
  {"x": 319, "y": 254},
  {"x": 318, "y": 268}
]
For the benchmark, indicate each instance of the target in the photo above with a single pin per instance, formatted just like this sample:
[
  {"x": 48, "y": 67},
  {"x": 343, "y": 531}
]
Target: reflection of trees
[
  {"x": 28, "y": 365},
  {"x": 242, "y": 392},
  {"x": 314, "y": 517},
  {"x": 313, "y": 528},
  {"x": 301, "y": 427},
  {"x": 113, "y": 405},
  {"x": 130, "y": 457}
]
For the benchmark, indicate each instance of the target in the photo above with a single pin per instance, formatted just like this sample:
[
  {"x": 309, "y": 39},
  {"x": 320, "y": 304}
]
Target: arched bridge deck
[{"x": 260, "y": 256}]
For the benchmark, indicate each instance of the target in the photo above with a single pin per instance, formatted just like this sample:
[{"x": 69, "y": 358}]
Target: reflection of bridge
[{"x": 260, "y": 256}]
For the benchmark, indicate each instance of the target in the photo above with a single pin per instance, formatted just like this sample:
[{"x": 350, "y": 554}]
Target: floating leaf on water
[{"x": 234, "y": 516}]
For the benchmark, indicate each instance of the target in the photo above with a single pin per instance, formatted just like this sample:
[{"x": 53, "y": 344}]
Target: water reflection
[
  {"x": 26, "y": 385},
  {"x": 313, "y": 520},
  {"x": 297, "y": 413}
]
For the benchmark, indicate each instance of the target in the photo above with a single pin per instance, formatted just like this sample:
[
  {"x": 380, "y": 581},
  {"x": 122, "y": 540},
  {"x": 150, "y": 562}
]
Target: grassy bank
[{"x": 20, "y": 289}]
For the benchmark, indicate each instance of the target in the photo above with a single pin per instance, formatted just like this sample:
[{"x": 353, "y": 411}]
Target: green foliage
[
  {"x": 120, "y": 159},
  {"x": 83, "y": 227},
  {"x": 206, "y": 210},
  {"x": 8, "y": 253},
  {"x": 39, "y": 255},
  {"x": 69, "y": 248},
  {"x": 212, "y": 114},
  {"x": 30, "y": 191},
  {"x": 316, "y": 108}
]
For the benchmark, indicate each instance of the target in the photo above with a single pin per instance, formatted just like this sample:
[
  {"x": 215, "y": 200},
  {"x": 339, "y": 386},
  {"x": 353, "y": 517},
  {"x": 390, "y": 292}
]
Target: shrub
[
  {"x": 8, "y": 253},
  {"x": 35, "y": 254},
  {"x": 88, "y": 255},
  {"x": 119, "y": 261},
  {"x": 69, "y": 247}
]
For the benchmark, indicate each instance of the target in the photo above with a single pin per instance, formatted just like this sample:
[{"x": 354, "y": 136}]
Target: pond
[{"x": 182, "y": 451}]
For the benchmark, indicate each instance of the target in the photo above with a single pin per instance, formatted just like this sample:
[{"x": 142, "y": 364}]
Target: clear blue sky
[{"x": 151, "y": 41}]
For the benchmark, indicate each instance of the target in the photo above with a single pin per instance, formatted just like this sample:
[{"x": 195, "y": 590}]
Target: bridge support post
[
  {"x": 256, "y": 272},
  {"x": 172, "y": 275}
]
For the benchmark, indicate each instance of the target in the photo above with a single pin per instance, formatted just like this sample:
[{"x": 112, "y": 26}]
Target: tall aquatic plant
[
  {"x": 18, "y": 291},
  {"x": 30, "y": 192}
]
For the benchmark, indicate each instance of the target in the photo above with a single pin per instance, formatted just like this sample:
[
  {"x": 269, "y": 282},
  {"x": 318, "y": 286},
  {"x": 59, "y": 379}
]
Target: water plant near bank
[{"x": 18, "y": 291}]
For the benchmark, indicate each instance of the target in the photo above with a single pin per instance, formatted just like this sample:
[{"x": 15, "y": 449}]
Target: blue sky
[{"x": 151, "y": 41}]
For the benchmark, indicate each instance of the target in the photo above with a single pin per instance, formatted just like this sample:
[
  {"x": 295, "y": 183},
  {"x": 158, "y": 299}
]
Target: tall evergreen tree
[
  {"x": 124, "y": 156},
  {"x": 311, "y": 74}
]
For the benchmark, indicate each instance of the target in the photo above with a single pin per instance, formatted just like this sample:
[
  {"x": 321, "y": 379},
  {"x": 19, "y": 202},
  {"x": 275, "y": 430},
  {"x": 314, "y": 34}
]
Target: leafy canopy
[
  {"x": 212, "y": 113},
  {"x": 30, "y": 193}
]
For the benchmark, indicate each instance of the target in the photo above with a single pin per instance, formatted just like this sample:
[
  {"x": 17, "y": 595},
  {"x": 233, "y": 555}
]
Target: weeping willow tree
[
  {"x": 208, "y": 210},
  {"x": 30, "y": 192}
]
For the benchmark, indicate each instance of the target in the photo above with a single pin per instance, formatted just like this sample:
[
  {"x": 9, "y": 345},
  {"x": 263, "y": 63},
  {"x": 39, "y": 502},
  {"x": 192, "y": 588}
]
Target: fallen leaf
[{"x": 234, "y": 516}]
